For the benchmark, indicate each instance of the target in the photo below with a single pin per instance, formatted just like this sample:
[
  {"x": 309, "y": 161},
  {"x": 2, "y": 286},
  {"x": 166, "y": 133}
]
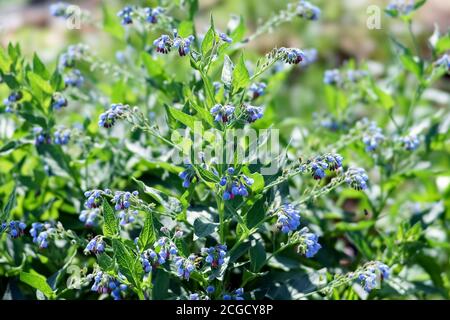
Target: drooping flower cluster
[
  {"x": 94, "y": 198},
  {"x": 15, "y": 229},
  {"x": 215, "y": 255},
  {"x": 235, "y": 185},
  {"x": 307, "y": 242},
  {"x": 127, "y": 216},
  {"x": 89, "y": 217},
  {"x": 152, "y": 14},
  {"x": 121, "y": 199},
  {"x": 185, "y": 266},
  {"x": 291, "y": 55},
  {"x": 12, "y": 99},
  {"x": 187, "y": 175},
  {"x": 125, "y": 14},
  {"x": 237, "y": 295},
  {"x": 58, "y": 101},
  {"x": 288, "y": 218},
  {"x": 95, "y": 246},
  {"x": 74, "y": 78},
  {"x": 108, "y": 118},
  {"x": 369, "y": 277},
  {"x": 71, "y": 55},
  {"x": 165, "y": 43},
  {"x": 308, "y": 11},
  {"x": 318, "y": 165},
  {"x": 373, "y": 136},
  {"x": 356, "y": 178},
  {"x": 257, "y": 89},
  {"x": 59, "y": 9},
  {"x": 400, "y": 7},
  {"x": 410, "y": 142},
  {"x": 41, "y": 233},
  {"x": 222, "y": 113},
  {"x": 104, "y": 283},
  {"x": 61, "y": 136},
  {"x": 252, "y": 113},
  {"x": 41, "y": 137},
  {"x": 164, "y": 248}
]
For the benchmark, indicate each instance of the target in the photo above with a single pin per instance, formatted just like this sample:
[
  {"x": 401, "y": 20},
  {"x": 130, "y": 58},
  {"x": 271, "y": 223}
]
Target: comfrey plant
[{"x": 181, "y": 165}]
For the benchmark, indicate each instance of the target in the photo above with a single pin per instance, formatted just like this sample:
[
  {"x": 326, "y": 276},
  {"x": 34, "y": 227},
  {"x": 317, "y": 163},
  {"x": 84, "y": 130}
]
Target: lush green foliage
[{"x": 357, "y": 208}]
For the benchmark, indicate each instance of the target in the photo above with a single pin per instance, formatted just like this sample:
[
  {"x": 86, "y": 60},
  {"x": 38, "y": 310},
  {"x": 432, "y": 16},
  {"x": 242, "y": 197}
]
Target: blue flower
[
  {"x": 291, "y": 55},
  {"x": 41, "y": 137},
  {"x": 185, "y": 266},
  {"x": 194, "y": 296},
  {"x": 215, "y": 255},
  {"x": 369, "y": 276},
  {"x": 89, "y": 217},
  {"x": 122, "y": 199},
  {"x": 187, "y": 176},
  {"x": 222, "y": 113},
  {"x": 332, "y": 77},
  {"x": 400, "y": 7},
  {"x": 357, "y": 178},
  {"x": 40, "y": 233},
  {"x": 308, "y": 11},
  {"x": 59, "y": 9},
  {"x": 163, "y": 44},
  {"x": 96, "y": 246},
  {"x": 74, "y": 78},
  {"x": 108, "y": 118},
  {"x": 373, "y": 137},
  {"x": 444, "y": 62},
  {"x": 61, "y": 136},
  {"x": 410, "y": 142},
  {"x": 310, "y": 56},
  {"x": 125, "y": 14},
  {"x": 127, "y": 216},
  {"x": 257, "y": 89},
  {"x": 234, "y": 185},
  {"x": 237, "y": 295},
  {"x": 94, "y": 198},
  {"x": 308, "y": 243},
  {"x": 58, "y": 101},
  {"x": 288, "y": 218},
  {"x": 225, "y": 38},
  {"x": 15, "y": 229},
  {"x": 210, "y": 289},
  {"x": 183, "y": 45},
  {"x": 153, "y": 13},
  {"x": 252, "y": 113},
  {"x": 104, "y": 283}
]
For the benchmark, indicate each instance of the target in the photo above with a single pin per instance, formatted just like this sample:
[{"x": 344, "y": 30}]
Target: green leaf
[
  {"x": 256, "y": 214},
  {"x": 161, "y": 285},
  {"x": 105, "y": 262},
  {"x": 111, "y": 23},
  {"x": 203, "y": 228},
  {"x": 170, "y": 203},
  {"x": 443, "y": 44},
  {"x": 148, "y": 232},
  {"x": 257, "y": 255},
  {"x": 384, "y": 98},
  {"x": 241, "y": 77},
  {"x": 129, "y": 265},
  {"x": 411, "y": 65},
  {"x": 9, "y": 206},
  {"x": 187, "y": 120},
  {"x": 227, "y": 71},
  {"x": 206, "y": 175},
  {"x": 186, "y": 28},
  {"x": 38, "y": 282},
  {"x": 111, "y": 224},
  {"x": 209, "y": 40},
  {"x": 10, "y": 146},
  {"x": 37, "y": 82},
  {"x": 202, "y": 113},
  {"x": 5, "y": 61},
  {"x": 239, "y": 32},
  {"x": 39, "y": 67}
]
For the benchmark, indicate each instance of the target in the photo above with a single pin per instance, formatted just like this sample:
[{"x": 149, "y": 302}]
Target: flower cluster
[
  {"x": 341, "y": 78},
  {"x": 72, "y": 54},
  {"x": 369, "y": 277},
  {"x": 127, "y": 216},
  {"x": 94, "y": 198},
  {"x": 357, "y": 178},
  {"x": 410, "y": 142},
  {"x": 96, "y": 245},
  {"x": 61, "y": 136},
  {"x": 235, "y": 184},
  {"x": 104, "y": 283},
  {"x": 58, "y": 101},
  {"x": 252, "y": 113},
  {"x": 215, "y": 255},
  {"x": 288, "y": 218},
  {"x": 15, "y": 229},
  {"x": 237, "y": 295},
  {"x": 108, "y": 118},
  {"x": 89, "y": 217},
  {"x": 41, "y": 137},
  {"x": 121, "y": 199},
  {"x": 164, "y": 44},
  {"x": 187, "y": 176},
  {"x": 373, "y": 136},
  {"x": 257, "y": 89},
  {"x": 306, "y": 241},
  {"x": 153, "y": 13},
  {"x": 163, "y": 249},
  {"x": 291, "y": 55},
  {"x": 320, "y": 164},
  {"x": 185, "y": 266},
  {"x": 125, "y": 14},
  {"x": 74, "y": 78},
  {"x": 41, "y": 232},
  {"x": 222, "y": 113},
  {"x": 12, "y": 99},
  {"x": 400, "y": 7},
  {"x": 59, "y": 9},
  {"x": 308, "y": 11}
]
